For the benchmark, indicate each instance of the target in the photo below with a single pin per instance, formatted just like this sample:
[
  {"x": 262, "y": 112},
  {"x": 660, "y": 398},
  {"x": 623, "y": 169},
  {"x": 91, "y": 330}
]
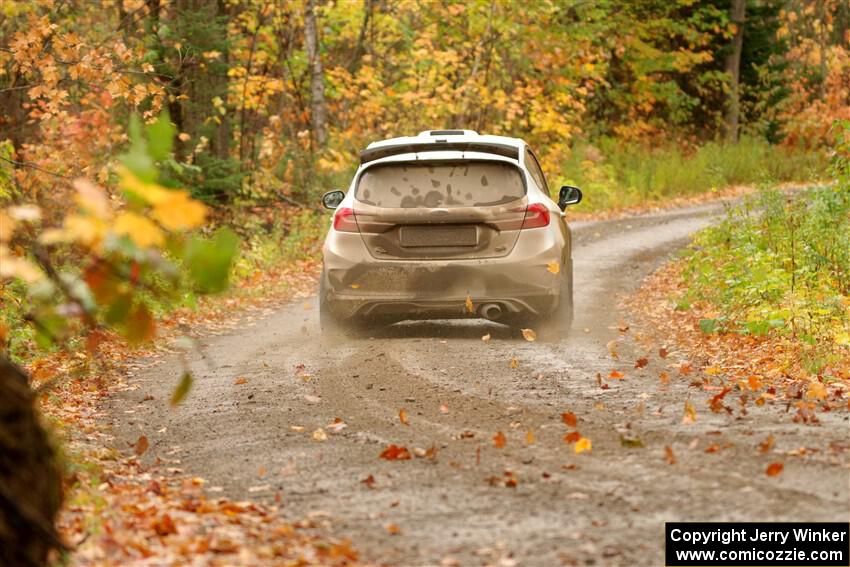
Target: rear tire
[
  {"x": 332, "y": 325},
  {"x": 556, "y": 325}
]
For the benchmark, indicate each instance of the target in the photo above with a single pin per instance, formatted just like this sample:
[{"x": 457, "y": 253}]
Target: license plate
[{"x": 436, "y": 236}]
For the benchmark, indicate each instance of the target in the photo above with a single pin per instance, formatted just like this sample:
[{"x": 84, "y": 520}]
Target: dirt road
[{"x": 607, "y": 507}]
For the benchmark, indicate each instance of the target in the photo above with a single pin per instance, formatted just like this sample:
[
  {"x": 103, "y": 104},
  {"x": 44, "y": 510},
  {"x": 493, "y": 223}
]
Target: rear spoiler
[{"x": 371, "y": 154}]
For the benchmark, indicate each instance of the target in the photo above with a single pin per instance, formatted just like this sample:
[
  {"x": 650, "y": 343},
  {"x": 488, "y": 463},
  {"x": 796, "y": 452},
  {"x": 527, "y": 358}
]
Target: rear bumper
[{"x": 358, "y": 285}]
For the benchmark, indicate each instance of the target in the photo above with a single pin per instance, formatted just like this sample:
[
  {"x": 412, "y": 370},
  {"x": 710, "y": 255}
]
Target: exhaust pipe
[{"x": 491, "y": 311}]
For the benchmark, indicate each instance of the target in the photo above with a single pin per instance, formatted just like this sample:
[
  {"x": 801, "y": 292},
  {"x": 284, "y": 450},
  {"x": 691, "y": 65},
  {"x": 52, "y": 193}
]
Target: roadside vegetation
[
  {"x": 779, "y": 265},
  {"x": 153, "y": 154}
]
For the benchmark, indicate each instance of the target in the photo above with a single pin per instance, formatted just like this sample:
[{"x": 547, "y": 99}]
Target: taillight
[
  {"x": 536, "y": 216},
  {"x": 344, "y": 220}
]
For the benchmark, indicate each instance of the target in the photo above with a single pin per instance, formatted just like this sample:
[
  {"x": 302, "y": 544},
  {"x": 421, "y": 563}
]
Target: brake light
[
  {"x": 536, "y": 216},
  {"x": 344, "y": 220}
]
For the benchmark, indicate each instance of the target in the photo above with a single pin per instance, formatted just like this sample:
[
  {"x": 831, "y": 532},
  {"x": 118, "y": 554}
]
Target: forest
[{"x": 157, "y": 152}]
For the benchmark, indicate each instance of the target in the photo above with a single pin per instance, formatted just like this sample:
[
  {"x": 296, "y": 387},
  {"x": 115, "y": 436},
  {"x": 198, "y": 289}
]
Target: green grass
[{"x": 614, "y": 174}]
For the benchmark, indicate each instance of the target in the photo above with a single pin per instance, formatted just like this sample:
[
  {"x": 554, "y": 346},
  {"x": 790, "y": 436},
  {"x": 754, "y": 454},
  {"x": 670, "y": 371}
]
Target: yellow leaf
[
  {"x": 514, "y": 362},
  {"x": 84, "y": 229},
  {"x": 816, "y": 391},
  {"x": 529, "y": 335},
  {"x": 553, "y": 267},
  {"x": 150, "y": 192},
  {"x": 320, "y": 435},
  {"x": 486, "y": 338},
  {"x": 176, "y": 210},
  {"x": 530, "y": 438},
  {"x": 470, "y": 308},
  {"x": 690, "y": 414},
  {"x": 583, "y": 445},
  {"x": 140, "y": 230}
]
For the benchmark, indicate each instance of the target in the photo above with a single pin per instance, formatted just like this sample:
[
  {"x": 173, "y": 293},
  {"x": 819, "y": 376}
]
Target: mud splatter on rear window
[{"x": 473, "y": 184}]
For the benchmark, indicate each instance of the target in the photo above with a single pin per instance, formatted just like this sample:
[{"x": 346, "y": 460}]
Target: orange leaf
[
  {"x": 767, "y": 444},
  {"x": 569, "y": 418},
  {"x": 754, "y": 383},
  {"x": 240, "y": 380},
  {"x": 641, "y": 362},
  {"x": 402, "y": 417},
  {"x": 662, "y": 352},
  {"x": 141, "y": 445},
  {"x": 664, "y": 377},
  {"x": 470, "y": 307},
  {"x": 530, "y": 438},
  {"x": 572, "y": 437},
  {"x": 616, "y": 375},
  {"x": 774, "y": 469},
  {"x": 499, "y": 440},
  {"x": 395, "y": 453},
  {"x": 393, "y": 529},
  {"x": 669, "y": 455},
  {"x": 514, "y": 362}
]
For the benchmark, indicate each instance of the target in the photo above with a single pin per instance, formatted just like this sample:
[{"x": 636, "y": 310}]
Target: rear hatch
[{"x": 430, "y": 210}]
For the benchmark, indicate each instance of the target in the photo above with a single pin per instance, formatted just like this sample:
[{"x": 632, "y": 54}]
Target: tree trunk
[
  {"x": 318, "y": 110},
  {"x": 733, "y": 68},
  {"x": 30, "y": 478}
]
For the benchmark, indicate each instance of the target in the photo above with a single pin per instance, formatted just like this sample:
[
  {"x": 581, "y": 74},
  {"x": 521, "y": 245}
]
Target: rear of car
[{"x": 445, "y": 225}]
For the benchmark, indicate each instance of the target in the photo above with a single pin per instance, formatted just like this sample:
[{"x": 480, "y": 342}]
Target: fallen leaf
[
  {"x": 261, "y": 472},
  {"x": 514, "y": 362},
  {"x": 767, "y": 444},
  {"x": 337, "y": 425},
  {"x": 685, "y": 368},
  {"x": 395, "y": 453},
  {"x": 669, "y": 455},
  {"x": 182, "y": 389},
  {"x": 320, "y": 435},
  {"x": 499, "y": 440},
  {"x": 664, "y": 377},
  {"x": 553, "y": 267},
  {"x": 631, "y": 442},
  {"x": 612, "y": 349},
  {"x": 572, "y": 437},
  {"x": 164, "y": 526},
  {"x": 754, "y": 382},
  {"x": 529, "y": 335},
  {"x": 583, "y": 445},
  {"x": 690, "y": 414},
  {"x": 623, "y": 327},
  {"x": 402, "y": 417},
  {"x": 240, "y": 380},
  {"x": 774, "y": 469},
  {"x": 355, "y": 286},
  {"x": 444, "y": 408},
  {"x": 569, "y": 418},
  {"x": 486, "y": 338},
  {"x": 141, "y": 445},
  {"x": 713, "y": 448},
  {"x": 393, "y": 529},
  {"x": 616, "y": 375},
  {"x": 369, "y": 481},
  {"x": 662, "y": 352},
  {"x": 298, "y": 428},
  {"x": 470, "y": 308},
  {"x": 641, "y": 362},
  {"x": 816, "y": 391},
  {"x": 530, "y": 437}
]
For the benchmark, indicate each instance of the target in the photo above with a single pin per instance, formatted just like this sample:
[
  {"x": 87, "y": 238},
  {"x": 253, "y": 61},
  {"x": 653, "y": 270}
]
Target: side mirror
[
  {"x": 332, "y": 199},
  {"x": 569, "y": 195}
]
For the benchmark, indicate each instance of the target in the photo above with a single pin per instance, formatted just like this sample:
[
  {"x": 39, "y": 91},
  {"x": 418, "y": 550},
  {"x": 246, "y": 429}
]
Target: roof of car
[{"x": 442, "y": 140}]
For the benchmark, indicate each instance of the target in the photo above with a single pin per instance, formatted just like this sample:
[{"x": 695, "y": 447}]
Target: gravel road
[{"x": 607, "y": 507}]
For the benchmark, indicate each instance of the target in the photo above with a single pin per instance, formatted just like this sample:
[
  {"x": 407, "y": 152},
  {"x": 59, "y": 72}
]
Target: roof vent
[{"x": 448, "y": 133}]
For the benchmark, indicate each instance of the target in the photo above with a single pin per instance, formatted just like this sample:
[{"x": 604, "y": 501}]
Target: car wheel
[
  {"x": 556, "y": 324},
  {"x": 331, "y": 324}
]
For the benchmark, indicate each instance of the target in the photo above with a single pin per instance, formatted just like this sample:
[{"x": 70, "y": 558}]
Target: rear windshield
[{"x": 446, "y": 184}]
